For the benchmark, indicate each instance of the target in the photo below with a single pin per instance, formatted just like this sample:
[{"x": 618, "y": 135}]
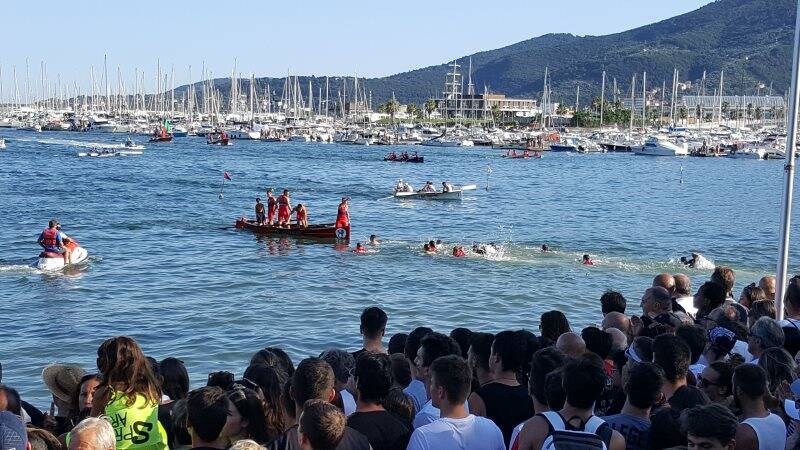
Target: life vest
[
  {"x": 271, "y": 202},
  {"x": 459, "y": 253},
  {"x": 343, "y": 215},
  {"x": 136, "y": 426},
  {"x": 50, "y": 237},
  {"x": 360, "y": 250},
  {"x": 283, "y": 201},
  {"x": 301, "y": 214}
]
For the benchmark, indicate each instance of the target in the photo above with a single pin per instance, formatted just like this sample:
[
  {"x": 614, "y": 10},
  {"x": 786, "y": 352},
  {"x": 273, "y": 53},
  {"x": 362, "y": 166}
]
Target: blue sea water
[{"x": 167, "y": 267}]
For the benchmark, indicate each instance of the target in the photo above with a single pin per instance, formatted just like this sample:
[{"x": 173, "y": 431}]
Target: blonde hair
[{"x": 246, "y": 444}]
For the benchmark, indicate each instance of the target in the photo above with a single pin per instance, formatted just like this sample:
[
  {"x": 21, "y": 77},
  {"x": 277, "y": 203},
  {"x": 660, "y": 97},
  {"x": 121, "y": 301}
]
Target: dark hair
[
  {"x": 401, "y": 369},
  {"x": 180, "y": 427},
  {"x": 695, "y": 337},
  {"x": 313, "y": 379},
  {"x": 555, "y": 395},
  {"x": 274, "y": 356},
  {"x": 710, "y": 421},
  {"x": 174, "y": 378},
  {"x": 553, "y": 324},
  {"x": 207, "y": 412},
  {"x": 42, "y": 439},
  {"x": 271, "y": 381},
  {"x": 453, "y": 374},
  {"x": 413, "y": 342},
  {"x": 373, "y": 376},
  {"x": 761, "y": 308},
  {"x": 584, "y": 380},
  {"x": 287, "y": 401},
  {"x": 373, "y": 322},
  {"x": 530, "y": 346},
  {"x": 725, "y": 277},
  {"x": 688, "y": 397},
  {"x": 751, "y": 380},
  {"x": 322, "y": 424},
  {"x": 251, "y": 406},
  {"x": 510, "y": 348},
  {"x": 725, "y": 371},
  {"x": 77, "y": 413},
  {"x": 779, "y": 366},
  {"x": 397, "y": 343},
  {"x": 597, "y": 341},
  {"x": 125, "y": 369},
  {"x": 222, "y": 379},
  {"x": 436, "y": 345},
  {"x": 713, "y": 295},
  {"x": 643, "y": 346},
  {"x": 792, "y": 296},
  {"x": 462, "y": 337},
  {"x": 752, "y": 293},
  {"x": 543, "y": 363},
  {"x": 665, "y": 430},
  {"x": 400, "y": 404},
  {"x": 672, "y": 355},
  {"x": 612, "y": 301},
  {"x": 13, "y": 399},
  {"x": 644, "y": 383},
  {"x": 481, "y": 345},
  {"x": 341, "y": 362}
]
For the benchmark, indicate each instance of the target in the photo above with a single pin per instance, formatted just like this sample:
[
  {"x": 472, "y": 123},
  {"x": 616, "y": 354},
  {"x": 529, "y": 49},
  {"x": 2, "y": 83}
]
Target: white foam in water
[
  {"x": 19, "y": 268},
  {"x": 72, "y": 142},
  {"x": 703, "y": 263}
]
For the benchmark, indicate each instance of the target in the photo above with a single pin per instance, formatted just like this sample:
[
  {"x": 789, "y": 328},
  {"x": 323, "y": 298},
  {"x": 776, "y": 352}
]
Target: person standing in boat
[
  {"x": 270, "y": 207},
  {"x": 284, "y": 208},
  {"x": 343, "y": 214},
  {"x": 301, "y": 215},
  {"x": 260, "y": 216}
]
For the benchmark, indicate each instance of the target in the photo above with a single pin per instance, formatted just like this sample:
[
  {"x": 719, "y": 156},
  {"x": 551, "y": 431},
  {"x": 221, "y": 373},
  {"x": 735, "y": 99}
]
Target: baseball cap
[{"x": 13, "y": 435}]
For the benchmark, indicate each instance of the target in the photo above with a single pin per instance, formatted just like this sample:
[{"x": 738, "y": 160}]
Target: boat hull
[
  {"x": 454, "y": 195},
  {"x": 320, "y": 231},
  {"x": 409, "y": 160},
  {"x": 161, "y": 139},
  {"x": 51, "y": 262}
]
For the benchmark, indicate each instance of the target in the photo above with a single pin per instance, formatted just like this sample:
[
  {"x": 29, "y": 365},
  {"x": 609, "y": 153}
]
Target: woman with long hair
[
  {"x": 250, "y": 404},
  {"x": 270, "y": 380},
  {"x": 82, "y": 398},
  {"x": 129, "y": 395}
]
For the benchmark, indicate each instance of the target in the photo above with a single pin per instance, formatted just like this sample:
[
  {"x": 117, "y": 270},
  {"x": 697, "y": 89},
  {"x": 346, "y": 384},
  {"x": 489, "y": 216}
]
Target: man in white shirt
[
  {"x": 759, "y": 429},
  {"x": 432, "y": 346},
  {"x": 416, "y": 389},
  {"x": 457, "y": 429}
]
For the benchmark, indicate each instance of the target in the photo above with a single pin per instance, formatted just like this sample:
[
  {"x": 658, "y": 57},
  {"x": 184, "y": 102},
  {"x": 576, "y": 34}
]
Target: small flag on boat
[{"x": 226, "y": 175}]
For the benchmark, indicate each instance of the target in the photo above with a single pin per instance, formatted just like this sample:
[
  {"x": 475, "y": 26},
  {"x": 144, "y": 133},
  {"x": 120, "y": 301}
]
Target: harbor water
[{"x": 167, "y": 266}]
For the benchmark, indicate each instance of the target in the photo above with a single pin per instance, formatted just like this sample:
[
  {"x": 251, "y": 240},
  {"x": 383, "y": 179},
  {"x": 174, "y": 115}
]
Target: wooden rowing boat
[{"x": 318, "y": 231}]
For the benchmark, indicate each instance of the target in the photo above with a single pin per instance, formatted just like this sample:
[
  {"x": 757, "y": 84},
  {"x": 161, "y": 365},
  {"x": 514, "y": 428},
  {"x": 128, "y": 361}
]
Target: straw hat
[{"x": 63, "y": 379}]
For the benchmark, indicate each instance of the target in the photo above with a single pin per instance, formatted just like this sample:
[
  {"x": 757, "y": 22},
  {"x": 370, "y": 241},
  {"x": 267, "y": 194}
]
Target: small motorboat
[
  {"x": 49, "y": 261},
  {"x": 319, "y": 231},
  {"x": 160, "y": 138},
  {"x": 455, "y": 194},
  {"x": 220, "y": 138},
  {"x": 391, "y": 157},
  {"x": 130, "y": 145}
]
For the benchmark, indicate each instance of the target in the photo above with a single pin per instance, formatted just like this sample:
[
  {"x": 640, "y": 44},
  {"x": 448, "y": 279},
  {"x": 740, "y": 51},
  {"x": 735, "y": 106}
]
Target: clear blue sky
[{"x": 371, "y": 38}]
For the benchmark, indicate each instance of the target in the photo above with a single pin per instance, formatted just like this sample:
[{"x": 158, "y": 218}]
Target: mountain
[{"x": 751, "y": 40}]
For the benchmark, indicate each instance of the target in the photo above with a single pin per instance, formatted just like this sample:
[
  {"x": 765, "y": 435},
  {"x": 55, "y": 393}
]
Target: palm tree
[
  {"x": 391, "y": 108},
  {"x": 412, "y": 109},
  {"x": 496, "y": 114},
  {"x": 430, "y": 106}
]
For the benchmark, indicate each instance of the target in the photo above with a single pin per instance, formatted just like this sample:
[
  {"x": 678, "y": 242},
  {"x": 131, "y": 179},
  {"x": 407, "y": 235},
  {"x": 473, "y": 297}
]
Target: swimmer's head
[{"x": 585, "y": 257}]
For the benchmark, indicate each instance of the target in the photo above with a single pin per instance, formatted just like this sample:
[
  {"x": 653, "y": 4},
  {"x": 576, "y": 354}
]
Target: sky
[{"x": 271, "y": 38}]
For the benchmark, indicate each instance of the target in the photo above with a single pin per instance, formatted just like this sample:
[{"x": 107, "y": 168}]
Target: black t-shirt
[
  {"x": 358, "y": 353},
  {"x": 507, "y": 406},
  {"x": 383, "y": 430},
  {"x": 352, "y": 440}
]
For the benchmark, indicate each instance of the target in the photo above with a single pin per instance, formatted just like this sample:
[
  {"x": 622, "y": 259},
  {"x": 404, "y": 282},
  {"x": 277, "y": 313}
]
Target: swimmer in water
[
  {"x": 373, "y": 240},
  {"x": 458, "y": 252},
  {"x": 432, "y": 246},
  {"x": 587, "y": 261},
  {"x": 360, "y": 248},
  {"x": 478, "y": 249},
  {"x": 545, "y": 248},
  {"x": 428, "y": 250}
]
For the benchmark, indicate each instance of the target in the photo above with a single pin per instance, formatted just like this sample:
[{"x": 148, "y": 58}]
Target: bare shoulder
[
  {"x": 533, "y": 433},
  {"x": 617, "y": 441}
]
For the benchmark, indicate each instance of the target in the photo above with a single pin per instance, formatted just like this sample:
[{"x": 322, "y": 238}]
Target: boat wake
[
  {"x": 72, "y": 142},
  {"x": 19, "y": 268}
]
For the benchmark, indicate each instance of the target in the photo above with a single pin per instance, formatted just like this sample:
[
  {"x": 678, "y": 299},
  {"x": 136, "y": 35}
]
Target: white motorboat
[
  {"x": 244, "y": 134},
  {"x": 49, "y": 261},
  {"x": 661, "y": 146},
  {"x": 448, "y": 141},
  {"x": 300, "y": 138},
  {"x": 455, "y": 194},
  {"x": 748, "y": 153}
]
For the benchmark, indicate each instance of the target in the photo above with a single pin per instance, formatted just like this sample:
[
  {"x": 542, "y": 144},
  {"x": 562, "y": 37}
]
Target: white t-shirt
[
  {"x": 348, "y": 401},
  {"x": 687, "y": 303},
  {"x": 429, "y": 414},
  {"x": 789, "y": 322},
  {"x": 469, "y": 433},
  {"x": 515, "y": 435},
  {"x": 697, "y": 369},
  {"x": 770, "y": 431},
  {"x": 419, "y": 395}
]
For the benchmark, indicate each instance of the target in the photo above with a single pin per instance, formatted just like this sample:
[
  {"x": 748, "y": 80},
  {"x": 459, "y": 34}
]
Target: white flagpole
[{"x": 788, "y": 186}]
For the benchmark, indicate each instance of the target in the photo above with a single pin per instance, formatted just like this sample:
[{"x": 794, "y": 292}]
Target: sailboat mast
[
  {"x": 644, "y": 99},
  {"x": 602, "y": 97}
]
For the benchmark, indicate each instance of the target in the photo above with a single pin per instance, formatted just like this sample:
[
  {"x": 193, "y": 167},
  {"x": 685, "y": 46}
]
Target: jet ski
[{"x": 50, "y": 261}]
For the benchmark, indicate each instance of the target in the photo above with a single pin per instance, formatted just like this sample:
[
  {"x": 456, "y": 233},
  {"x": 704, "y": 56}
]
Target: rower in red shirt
[
  {"x": 301, "y": 215},
  {"x": 284, "y": 208},
  {"x": 271, "y": 204},
  {"x": 343, "y": 214}
]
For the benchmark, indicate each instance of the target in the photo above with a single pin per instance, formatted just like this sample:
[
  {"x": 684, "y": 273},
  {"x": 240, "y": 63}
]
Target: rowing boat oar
[{"x": 469, "y": 187}]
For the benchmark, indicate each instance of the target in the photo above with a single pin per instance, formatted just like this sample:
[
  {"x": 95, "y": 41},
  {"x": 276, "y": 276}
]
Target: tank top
[
  {"x": 507, "y": 406},
  {"x": 770, "y": 430},
  {"x": 136, "y": 426}
]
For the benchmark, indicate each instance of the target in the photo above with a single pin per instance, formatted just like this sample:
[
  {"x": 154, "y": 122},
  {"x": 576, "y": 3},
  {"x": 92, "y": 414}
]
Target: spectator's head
[
  {"x": 373, "y": 377},
  {"x": 63, "y": 380},
  {"x": 400, "y": 404},
  {"x": 174, "y": 378},
  {"x": 584, "y": 380},
  {"x": 274, "y": 356},
  {"x": 641, "y": 349},
  {"x": 44, "y": 440},
  {"x": 544, "y": 361},
  {"x": 13, "y": 435},
  {"x": 619, "y": 341},
  {"x": 612, "y": 301},
  {"x": 397, "y": 343},
  {"x": 643, "y": 385},
  {"x": 508, "y": 352},
  {"x": 665, "y": 281},
  {"x": 462, "y": 336},
  {"x": 10, "y": 400},
  {"x": 683, "y": 285},
  {"x": 553, "y": 324},
  {"x": 792, "y": 298},
  {"x": 759, "y": 309},
  {"x": 597, "y": 341},
  {"x": 571, "y": 344},
  {"x": 401, "y": 370},
  {"x": 373, "y": 323},
  {"x": 695, "y": 337},
  {"x": 272, "y": 381},
  {"x": 708, "y": 297},
  {"x": 321, "y": 426},
  {"x": 341, "y": 362},
  {"x": 656, "y": 300},
  {"x": 208, "y": 412},
  {"x": 93, "y": 433},
  {"x": 617, "y": 320},
  {"x": 555, "y": 394},
  {"x": 432, "y": 346},
  {"x": 725, "y": 277},
  {"x": 480, "y": 348},
  {"x": 688, "y": 397},
  {"x": 665, "y": 430},
  {"x": 673, "y": 356},
  {"x": 710, "y": 427},
  {"x": 313, "y": 379},
  {"x": 767, "y": 284},
  {"x": 715, "y": 380},
  {"x": 765, "y": 333},
  {"x": 413, "y": 342},
  {"x": 451, "y": 380},
  {"x": 749, "y": 384},
  {"x": 123, "y": 366},
  {"x": 249, "y": 403},
  {"x": 779, "y": 366},
  {"x": 750, "y": 294}
]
